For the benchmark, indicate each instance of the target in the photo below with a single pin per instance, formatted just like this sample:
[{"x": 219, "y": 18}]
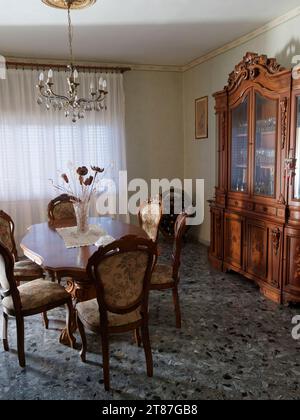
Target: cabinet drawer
[
  {"x": 271, "y": 211},
  {"x": 239, "y": 204}
]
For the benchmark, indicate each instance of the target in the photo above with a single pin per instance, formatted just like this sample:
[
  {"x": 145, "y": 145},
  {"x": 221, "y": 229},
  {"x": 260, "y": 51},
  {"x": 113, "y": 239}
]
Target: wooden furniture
[
  {"x": 43, "y": 245},
  {"x": 167, "y": 224},
  {"x": 255, "y": 216},
  {"x": 167, "y": 276},
  {"x": 24, "y": 270},
  {"x": 61, "y": 208},
  {"x": 149, "y": 216},
  {"x": 121, "y": 274},
  {"x": 60, "y": 212},
  {"x": 35, "y": 297}
]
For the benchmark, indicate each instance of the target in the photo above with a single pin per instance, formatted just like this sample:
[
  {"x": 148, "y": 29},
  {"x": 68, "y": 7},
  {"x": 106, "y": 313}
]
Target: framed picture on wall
[{"x": 201, "y": 118}]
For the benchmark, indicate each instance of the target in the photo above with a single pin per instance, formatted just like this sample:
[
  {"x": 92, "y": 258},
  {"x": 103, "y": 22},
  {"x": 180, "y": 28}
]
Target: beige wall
[
  {"x": 154, "y": 124},
  {"x": 282, "y": 42}
]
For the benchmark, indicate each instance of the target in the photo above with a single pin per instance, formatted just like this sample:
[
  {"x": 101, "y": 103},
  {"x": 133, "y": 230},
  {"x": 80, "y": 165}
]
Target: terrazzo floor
[{"x": 234, "y": 344}]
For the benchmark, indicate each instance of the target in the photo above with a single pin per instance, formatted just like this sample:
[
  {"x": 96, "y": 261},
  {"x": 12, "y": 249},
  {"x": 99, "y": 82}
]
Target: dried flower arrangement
[{"x": 80, "y": 184}]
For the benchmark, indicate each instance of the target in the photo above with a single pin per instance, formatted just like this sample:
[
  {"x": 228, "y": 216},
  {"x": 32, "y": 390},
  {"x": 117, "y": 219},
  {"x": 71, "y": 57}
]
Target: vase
[{"x": 82, "y": 213}]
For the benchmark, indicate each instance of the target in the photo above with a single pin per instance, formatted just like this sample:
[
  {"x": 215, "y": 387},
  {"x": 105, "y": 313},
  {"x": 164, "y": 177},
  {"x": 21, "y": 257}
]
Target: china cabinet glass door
[
  {"x": 265, "y": 146},
  {"x": 239, "y": 147},
  {"x": 297, "y": 176}
]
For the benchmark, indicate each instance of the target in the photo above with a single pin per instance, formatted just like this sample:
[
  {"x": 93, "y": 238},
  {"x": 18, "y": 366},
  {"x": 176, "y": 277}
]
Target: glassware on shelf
[
  {"x": 265, "y": 146},
  {"x": 239, "y": 148}
]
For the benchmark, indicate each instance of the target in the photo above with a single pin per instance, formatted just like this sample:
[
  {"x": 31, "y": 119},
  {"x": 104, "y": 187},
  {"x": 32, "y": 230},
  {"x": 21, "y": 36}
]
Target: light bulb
[
  {"x": 41, "y": 78},
  {"x": 104, "y": 84},
  {"x": 50, "y": 74},
  {"x": 75, "y": 74},
  {"x": 101, "y": 83}
]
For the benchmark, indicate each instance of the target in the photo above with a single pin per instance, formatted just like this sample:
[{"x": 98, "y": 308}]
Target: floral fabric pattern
[
  {"x": 27, "y": 268},
  {"x": 89, "y": 313},
  {"x": 4, "y": 283},
  {"x": 150, "y": 216},
  {"x": 36, "y": 294},
  {"x": 5, "y": 234},
  {"x": 122, "y": 276},
  {"x": 162, "y": 274},
  {"x": 64, "y": 211}
]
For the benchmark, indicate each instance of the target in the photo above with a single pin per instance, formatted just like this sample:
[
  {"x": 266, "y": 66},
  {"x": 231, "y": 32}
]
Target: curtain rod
[{"x": 46, "y": 66}]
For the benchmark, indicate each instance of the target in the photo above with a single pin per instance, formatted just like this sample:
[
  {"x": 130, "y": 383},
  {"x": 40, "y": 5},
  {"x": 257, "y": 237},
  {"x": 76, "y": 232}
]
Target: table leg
[
  {"x": 64, "y": 337},
  {"x": 80, "y": 291}
]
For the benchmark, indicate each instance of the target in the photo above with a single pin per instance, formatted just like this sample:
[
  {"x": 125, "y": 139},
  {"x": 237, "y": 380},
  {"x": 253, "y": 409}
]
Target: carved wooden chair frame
[
  {"x": 127, "y": 244},
  {"x": 64, "y": 198},
  {"x": 180, "y": 229},
  {"x": 18, "y": 312}
]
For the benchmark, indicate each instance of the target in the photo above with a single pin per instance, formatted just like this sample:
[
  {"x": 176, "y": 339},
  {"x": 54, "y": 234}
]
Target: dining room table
[{"x": 44, "y": 245}]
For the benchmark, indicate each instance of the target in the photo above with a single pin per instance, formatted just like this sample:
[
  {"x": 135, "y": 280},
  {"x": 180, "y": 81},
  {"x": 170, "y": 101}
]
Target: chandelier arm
[
  {"x": 53, "y": 95},
  {"x": 100, "y": 98}
]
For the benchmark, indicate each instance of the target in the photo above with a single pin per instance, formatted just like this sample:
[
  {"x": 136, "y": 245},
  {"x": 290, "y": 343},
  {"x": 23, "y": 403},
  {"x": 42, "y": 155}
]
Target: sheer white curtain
[{"x": 36, "y": 145}]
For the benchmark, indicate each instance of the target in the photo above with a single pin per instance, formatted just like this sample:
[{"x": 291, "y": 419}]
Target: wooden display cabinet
[{"x": 255, "y": 215}]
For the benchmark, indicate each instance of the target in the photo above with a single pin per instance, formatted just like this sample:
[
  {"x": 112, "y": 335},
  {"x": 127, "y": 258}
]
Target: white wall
[{"x": 283, "y": 43}]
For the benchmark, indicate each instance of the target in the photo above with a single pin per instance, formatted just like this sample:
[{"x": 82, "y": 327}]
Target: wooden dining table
[{"x": 43, "y": 245}]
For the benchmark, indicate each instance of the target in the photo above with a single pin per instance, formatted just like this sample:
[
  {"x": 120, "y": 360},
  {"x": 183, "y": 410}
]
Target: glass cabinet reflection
[
  {"x": 265, "y": 146},
  {"x": 239, "y": 148},
  {"x": 297, "y": 176}
]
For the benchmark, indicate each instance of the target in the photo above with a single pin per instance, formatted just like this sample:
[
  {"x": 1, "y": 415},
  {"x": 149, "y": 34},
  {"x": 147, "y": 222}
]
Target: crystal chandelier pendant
[{"x": 70, "y": 103}]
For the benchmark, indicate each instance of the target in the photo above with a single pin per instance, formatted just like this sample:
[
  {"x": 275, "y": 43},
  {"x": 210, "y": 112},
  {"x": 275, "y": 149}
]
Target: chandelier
[{"x": 70, "y": 103}]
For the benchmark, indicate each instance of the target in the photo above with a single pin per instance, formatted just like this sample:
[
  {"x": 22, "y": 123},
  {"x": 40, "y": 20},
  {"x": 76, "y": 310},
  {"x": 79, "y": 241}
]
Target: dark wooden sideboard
[{"x": 255, "y": 215}]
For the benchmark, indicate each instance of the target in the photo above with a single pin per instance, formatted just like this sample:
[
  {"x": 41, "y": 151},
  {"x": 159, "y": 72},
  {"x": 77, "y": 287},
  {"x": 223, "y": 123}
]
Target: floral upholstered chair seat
[
  {"x": 37, "y": 294},
  {"x": 162, "y": 274},
  {"x": 89, "y": 314}
]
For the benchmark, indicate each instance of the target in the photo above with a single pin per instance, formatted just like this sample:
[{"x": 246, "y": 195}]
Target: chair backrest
[
  {"x": 121, "y": 273},
  {"x": 61, "y": 208},
  {"x": 8, "y": 286},
  {"x": 180, "y": 229},
  {"x": 7, "y": 230},
  {"x": 150, "y": 214}
]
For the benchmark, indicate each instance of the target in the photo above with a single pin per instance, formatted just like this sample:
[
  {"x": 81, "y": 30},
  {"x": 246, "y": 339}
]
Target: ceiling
[{"x": 160, "y": 32}]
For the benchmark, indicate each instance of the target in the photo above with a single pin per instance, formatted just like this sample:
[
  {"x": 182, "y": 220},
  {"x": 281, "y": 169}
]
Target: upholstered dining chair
[
  {"x": 121, "y": 273},
  {"x": 167, "y": 276},
  {"x": 31, "y": 298},
  {"x": 61, "y": 209},
  {"x": 24, "y": 269},
  {"x": 149, "y": 216}
]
